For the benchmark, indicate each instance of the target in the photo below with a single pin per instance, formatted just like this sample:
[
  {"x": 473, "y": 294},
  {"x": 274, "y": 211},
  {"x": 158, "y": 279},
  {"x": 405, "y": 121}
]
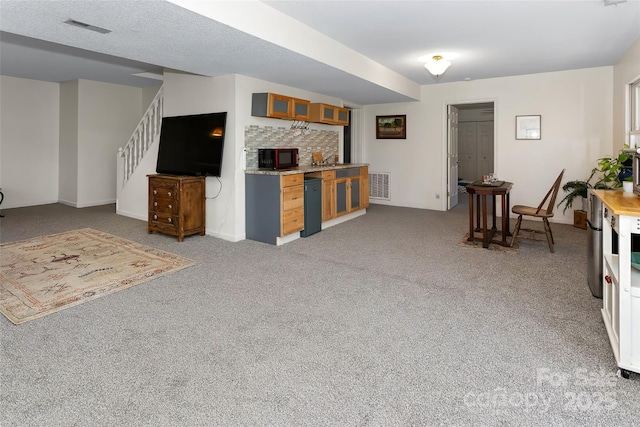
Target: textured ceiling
[{"x": 491, "y": 39}]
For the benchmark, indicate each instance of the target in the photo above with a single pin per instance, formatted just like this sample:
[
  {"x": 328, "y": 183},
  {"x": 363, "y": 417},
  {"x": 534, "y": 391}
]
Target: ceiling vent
[{"x": 87, "y": 26}]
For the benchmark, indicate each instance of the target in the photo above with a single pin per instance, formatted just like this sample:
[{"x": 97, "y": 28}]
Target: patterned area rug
[
  {"x": 492, "y": 246},
  {"x": 47, "y": 274}
]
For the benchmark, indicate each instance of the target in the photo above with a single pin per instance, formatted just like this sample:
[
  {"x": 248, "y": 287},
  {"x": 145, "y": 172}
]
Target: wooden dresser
[{"x": 176, "y": 205}]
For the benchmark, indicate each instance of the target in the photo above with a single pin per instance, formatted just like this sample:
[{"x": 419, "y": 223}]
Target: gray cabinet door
[{"x": 341, "y": 197}]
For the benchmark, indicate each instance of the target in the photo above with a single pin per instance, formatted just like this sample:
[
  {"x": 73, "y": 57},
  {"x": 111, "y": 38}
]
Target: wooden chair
[{"x": 544, "y": 211}]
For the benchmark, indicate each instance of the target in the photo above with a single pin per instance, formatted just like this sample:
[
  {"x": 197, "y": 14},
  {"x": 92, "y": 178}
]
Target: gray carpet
[{"x": 384, "y": 320}]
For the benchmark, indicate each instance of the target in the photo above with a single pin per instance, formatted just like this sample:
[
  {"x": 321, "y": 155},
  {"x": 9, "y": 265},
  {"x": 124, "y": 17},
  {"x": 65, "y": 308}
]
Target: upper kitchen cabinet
[
  {"x": 279, "y": 106},
  {"x": 329, "y": 114}
]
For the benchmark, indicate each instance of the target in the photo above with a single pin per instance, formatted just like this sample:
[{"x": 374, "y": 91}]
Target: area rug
[
  {"x": 46, "y": 274},
  {"x": 492, "y": 246}
]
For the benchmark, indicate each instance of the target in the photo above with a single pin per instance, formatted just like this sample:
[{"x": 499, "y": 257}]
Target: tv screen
[{"x": 192, "y": 145}]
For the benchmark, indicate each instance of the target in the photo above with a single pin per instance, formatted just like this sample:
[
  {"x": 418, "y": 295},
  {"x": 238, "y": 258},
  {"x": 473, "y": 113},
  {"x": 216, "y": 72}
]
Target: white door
[
  {"x": 467, "y": 151},
  {"x": 485, "y": 148},
  {"x": 452, "y": 155}
]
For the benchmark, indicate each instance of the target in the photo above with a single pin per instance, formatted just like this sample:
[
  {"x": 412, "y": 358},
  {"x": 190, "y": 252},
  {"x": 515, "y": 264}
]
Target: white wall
[
  {"x": 108, "y": 114},
  {"x": 29, "y": 123},
  {"x": 625, "y": 71},
  {"x": 576, "y": 109},
  {"x": 189, "y": 94},
  {"x": 68, "y": 177}
]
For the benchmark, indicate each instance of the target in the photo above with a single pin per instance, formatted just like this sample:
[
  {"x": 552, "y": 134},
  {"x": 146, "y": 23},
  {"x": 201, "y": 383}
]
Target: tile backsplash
[{"x": 307, "y": 141}]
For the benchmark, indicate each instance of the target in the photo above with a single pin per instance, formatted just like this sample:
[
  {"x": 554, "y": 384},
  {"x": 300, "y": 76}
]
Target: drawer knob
[
  {"x": 170, "y": 207},
  {"x": 155, "y": 191},
  {"x": 607, "y": 279},
  {"x": 295, "y": 220},
  {"x": 155, "y": 203},
  {"x": 169, "y": 193},
  {"x": 169, "y": 219},
  {"x": 155, "y": 217}
]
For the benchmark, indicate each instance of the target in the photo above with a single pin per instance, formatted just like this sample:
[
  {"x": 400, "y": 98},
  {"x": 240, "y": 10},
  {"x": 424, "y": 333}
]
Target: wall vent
[
  {"x": 379, "y": 185},
  {"x": 86, "y": 26}
]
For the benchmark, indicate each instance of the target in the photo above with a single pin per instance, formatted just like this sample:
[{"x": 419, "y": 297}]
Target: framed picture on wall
[
  {"x": 391, "y": 127},
  {"x": 528, "y": 127}
]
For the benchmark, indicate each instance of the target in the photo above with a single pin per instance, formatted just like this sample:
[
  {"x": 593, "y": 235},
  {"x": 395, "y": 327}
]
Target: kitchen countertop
[
  {"x": 304, "y": 169},
  {"x": 619, "y": 202}
]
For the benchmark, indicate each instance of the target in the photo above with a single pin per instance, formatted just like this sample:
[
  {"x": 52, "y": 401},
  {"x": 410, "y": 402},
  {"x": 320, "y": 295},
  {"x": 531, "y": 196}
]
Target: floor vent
[{"x": 379, "y": 186}]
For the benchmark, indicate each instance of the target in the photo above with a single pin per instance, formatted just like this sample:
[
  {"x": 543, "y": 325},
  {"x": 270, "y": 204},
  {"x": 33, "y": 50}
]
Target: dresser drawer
[
  {"x": 292, "y": 221},
  {"x": 161, "y": 190},
  {"x": 163, "y": 220},
  {"x": 291, "y": 180},
  {"x": 164, "y": 206},
  {"x": 292, "y": 197}
]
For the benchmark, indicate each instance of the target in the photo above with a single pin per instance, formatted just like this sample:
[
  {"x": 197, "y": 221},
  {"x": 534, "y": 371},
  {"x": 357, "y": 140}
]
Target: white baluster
[{"x": 145, "y": 134}]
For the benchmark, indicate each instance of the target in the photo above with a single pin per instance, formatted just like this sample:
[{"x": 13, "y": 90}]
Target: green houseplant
[
  {"x": 579, "y": 188},
  {"x": 614, "y": 170}
]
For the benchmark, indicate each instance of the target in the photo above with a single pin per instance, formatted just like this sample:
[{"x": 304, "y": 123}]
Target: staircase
[{"x": 133, "y": 165}]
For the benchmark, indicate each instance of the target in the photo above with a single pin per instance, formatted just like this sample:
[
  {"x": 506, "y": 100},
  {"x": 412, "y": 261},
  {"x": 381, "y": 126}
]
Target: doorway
[
  {"x": 346, "y": 148},
  {"x": 470, "y": 146}
]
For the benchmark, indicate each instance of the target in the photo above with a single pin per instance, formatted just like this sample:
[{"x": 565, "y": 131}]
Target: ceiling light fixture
[{"x": 437, "y": 65}]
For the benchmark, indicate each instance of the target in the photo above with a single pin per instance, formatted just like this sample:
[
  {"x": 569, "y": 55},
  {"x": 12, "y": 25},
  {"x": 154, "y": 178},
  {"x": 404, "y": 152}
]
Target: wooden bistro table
[{"x": 481, "y": 191}]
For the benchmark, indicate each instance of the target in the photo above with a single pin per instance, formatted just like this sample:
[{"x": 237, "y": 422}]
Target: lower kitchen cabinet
[
  {"x": 364, "y": 187},
  {"x": 347, "y": 190},
  {"x": 621, "y": 278},
  {"x": 274, "y": 206},
  {"x": 275, "y": 201},
  {"x": 328, "y": 195}
]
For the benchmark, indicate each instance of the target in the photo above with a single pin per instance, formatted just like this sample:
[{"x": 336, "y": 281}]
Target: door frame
[{"x": 445, "y": 150}]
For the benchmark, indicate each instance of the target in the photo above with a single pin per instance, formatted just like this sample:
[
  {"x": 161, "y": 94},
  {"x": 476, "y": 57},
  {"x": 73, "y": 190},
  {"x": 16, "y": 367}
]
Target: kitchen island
[
  {"x": 621, "y": 277},
  {"x": 274, "y": 199}
]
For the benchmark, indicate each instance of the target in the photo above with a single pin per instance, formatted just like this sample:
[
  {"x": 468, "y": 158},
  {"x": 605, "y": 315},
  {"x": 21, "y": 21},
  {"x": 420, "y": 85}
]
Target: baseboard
[
  {"x": 132, "y": 215},
  {"x": 343, "y": 218},
  {"x": 87, "y": 205},
  {"x": 227, "y": 237}
]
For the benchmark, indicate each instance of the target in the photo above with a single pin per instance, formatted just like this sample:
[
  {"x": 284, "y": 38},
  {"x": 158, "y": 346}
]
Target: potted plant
[
  {"x": 627, "y": 183},
  {"x": 614, "y": 170},
  {"x": 579, "y": 188}
]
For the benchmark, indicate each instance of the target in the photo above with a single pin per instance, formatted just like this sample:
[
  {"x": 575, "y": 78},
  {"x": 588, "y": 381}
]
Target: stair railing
[{"x": 145, "y": 134}]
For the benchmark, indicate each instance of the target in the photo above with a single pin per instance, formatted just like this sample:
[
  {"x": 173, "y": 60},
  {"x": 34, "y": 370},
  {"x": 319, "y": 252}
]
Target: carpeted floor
[{"x": 384, "y": 320}]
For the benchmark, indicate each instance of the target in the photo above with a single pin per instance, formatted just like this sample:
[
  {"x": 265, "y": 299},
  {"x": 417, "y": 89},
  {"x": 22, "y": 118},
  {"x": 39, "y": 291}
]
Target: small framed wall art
[
  {"x": 528, "y": 127},
  {"x": 391, "y": 127}
]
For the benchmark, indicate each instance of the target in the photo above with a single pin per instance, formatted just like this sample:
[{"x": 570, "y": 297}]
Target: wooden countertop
[
  {"x": 619, "y": 202},
  {"x": 304, "y": 169}
]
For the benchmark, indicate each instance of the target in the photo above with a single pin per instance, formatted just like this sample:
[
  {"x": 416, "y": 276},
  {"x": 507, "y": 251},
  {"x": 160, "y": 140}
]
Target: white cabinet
[{"x": 621, "y": 281}]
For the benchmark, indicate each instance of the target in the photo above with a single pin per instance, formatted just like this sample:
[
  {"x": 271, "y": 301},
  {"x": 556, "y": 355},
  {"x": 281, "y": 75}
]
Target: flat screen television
[{"x": 192, "y": 145}]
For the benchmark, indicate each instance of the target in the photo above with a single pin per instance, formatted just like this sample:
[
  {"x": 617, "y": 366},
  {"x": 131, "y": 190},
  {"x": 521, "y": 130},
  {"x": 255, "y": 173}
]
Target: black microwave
[{"x": 277, "y": 158}]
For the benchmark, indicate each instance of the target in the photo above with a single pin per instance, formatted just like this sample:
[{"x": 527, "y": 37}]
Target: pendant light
[{"x": 437, "y": 65}]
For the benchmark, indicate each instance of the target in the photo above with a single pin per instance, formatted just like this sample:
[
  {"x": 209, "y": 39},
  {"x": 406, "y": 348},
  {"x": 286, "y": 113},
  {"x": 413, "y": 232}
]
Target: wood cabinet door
[
  {"x": 300, "y": 109},
  {"x": 342, "y": 116},
  {"x": 343, "y": 199},
  {"x": 279, "y": 106},
  {"x": 328, "y": 199},
  {"x": 354, "y": 190},
  {"x": 364, "y": 187}
]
